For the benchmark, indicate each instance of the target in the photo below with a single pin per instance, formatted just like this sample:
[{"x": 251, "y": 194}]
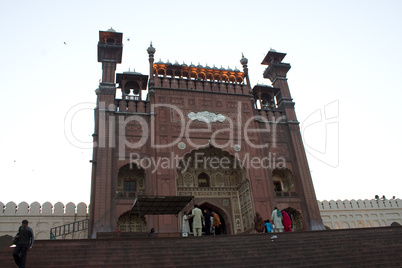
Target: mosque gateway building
[{"x": 186, "y": 135}]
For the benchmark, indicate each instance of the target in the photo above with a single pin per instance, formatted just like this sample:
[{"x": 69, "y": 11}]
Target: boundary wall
[
  {"x": 335, "y": 215},
  {"x": 360, "y": 213},
  {"x": 42, "y": 218}
]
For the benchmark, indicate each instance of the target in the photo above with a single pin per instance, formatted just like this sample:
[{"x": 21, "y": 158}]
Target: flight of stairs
[{"x": 366, "y": 247}]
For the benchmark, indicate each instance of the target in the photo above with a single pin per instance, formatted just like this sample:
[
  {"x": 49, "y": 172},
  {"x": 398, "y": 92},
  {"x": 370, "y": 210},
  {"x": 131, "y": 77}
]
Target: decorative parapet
[
  {"x": 360, "y": 204},
  {"x": 200, "y": 78},
  {"x": 343, "y": 214},
  {"x": 41, "y": 217}
]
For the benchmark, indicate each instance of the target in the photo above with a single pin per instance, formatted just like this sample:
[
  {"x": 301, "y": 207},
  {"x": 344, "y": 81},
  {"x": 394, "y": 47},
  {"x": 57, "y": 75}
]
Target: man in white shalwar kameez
[
  {"x": 197, "y": 220},
  {"x": 277, "y": 220}
]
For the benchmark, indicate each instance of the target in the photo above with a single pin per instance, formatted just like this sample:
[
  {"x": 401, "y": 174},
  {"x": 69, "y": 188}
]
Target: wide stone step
[{"x": 370, "y": 247}]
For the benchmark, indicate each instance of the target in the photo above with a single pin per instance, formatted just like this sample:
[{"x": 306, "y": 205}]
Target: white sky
[{"x": 345, "y": 58}]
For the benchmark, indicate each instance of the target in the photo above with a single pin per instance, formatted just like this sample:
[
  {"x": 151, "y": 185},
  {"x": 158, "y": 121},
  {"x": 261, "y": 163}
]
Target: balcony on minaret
[
  {"x": 132, "y": 85},
  {"x": 110, "y": 46},
  {"x": 264, "y": 96},
  {"x": 276, "y": 68},
  {"x": 265, "y": 103}
]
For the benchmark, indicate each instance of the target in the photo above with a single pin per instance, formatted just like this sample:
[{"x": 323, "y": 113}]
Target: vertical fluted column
[
  {"x": 151, "y": 51},
  {"x": 244, "y": 62}
]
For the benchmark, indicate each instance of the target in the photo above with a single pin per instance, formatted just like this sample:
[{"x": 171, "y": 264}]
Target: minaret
[
  {"x": 244, "y": 62},
  {"x": 151, "y": 51},
  {"x": 110, "y": 49},
  {"x": 276, "y": 72}
]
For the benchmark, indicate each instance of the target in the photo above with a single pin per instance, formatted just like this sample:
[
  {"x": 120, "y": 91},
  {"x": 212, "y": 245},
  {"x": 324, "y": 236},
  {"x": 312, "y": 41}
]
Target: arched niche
[
  {"x": 129, "y": 222},
  {"x": 283, "y": 180},
  {"x": 130, "y": 181}
]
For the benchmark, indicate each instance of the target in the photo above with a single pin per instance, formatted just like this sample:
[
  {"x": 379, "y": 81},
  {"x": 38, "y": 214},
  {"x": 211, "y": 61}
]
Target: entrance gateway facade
[{"x": 200, "y": 132}]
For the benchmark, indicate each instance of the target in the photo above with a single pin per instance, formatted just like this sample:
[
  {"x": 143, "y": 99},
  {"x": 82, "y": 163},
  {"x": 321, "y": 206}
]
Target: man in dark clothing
[
  {"x": 25, "y": 241},
  {"x": 207, "y": 219}
]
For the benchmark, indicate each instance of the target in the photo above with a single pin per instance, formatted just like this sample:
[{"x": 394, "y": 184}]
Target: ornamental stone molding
[{"x": 207, "y": 117}]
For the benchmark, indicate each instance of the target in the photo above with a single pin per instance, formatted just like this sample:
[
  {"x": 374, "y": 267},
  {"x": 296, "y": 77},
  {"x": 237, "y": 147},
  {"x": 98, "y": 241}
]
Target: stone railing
[
  {"x": 132, "y": 106},
  {"x": 42, "y": 218},
  {"x": 344, "y": 214}
]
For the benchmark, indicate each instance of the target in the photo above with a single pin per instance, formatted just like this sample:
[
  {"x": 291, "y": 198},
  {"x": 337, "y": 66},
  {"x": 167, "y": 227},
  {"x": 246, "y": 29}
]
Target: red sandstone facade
[{"x": 201, "y": 132}]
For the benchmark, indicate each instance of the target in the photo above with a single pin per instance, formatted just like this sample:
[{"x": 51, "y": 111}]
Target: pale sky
[{"x": 345, "y": 58}]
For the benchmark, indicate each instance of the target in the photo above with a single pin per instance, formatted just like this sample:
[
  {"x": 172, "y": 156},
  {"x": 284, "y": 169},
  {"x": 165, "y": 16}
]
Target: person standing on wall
[{"x": 25, "y": 238}]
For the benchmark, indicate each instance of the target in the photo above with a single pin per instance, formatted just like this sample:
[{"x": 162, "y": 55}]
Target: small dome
[
  {"x": 131, "y": 72},
  {"x": 200, "y": 66},
  {"x": 207, "y": 67},
  {"x": 272, "y": 50},
  {"x": 215, "y": 68},
  {"x": 184, "y": 65},
  {"x": 222, "y": 69},
  {"x": 151, "y": 49},
  {"x": 176, "y": 63},
  {"x": 192, "y": 65},
  {"x": 111, "y": 30},
  {"x": 236, "y": 70},
  {"x": 168, "y": 62},
  {"x": 243, "y": 60},
  {"x": 229, "y": 69},
  {"x": 160, "y": 62}
]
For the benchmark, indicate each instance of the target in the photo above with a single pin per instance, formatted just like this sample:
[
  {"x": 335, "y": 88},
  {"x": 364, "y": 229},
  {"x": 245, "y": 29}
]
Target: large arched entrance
[
  {"x": 217, "y": 181},
  {"x": 222, "y": 216}
]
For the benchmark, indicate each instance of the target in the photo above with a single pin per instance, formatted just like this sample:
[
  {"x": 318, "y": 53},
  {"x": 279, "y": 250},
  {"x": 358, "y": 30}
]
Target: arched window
[
  {"x": 283, "y": 182},
  {"x": 203, "y": 180},
  {"x": 131, "y": 180}
]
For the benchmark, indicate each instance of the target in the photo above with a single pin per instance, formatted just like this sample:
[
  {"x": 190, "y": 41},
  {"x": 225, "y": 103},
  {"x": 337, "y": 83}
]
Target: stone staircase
[{"x": 366, "y": 247}]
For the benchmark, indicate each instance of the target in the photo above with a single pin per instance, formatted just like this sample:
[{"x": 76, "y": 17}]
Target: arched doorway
[
  {"x": 222, "y": 216},
  {"x": 217, "y": 178},
  {"x": 297, "y": 219},
  {"x": 129, "y": 222}
]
